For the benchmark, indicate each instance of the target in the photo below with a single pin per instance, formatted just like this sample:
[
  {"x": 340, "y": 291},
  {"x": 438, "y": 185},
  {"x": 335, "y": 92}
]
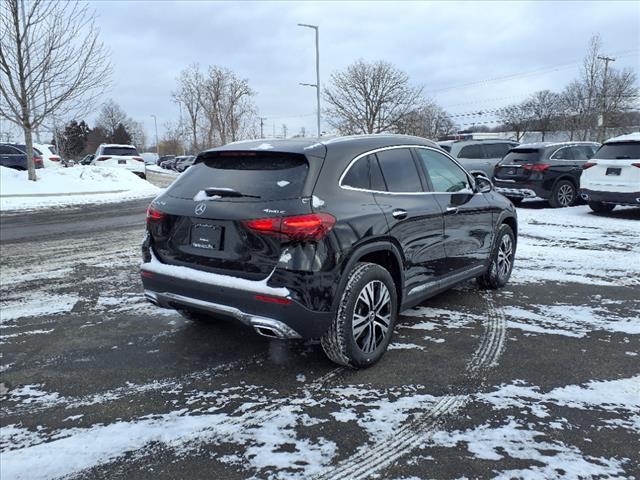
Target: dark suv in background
[
  {"x": 545, "y": 170},
  {"x": 15, "y": 156},
  {"x": 324, "y": 239},
  {"x": 478, "y": 155}
]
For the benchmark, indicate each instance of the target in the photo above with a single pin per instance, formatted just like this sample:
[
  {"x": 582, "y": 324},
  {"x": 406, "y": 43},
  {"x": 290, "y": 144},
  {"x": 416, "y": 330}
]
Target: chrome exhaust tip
[
  {"x": 270, "y": 328},
  {"x": 584, "y": 196}
]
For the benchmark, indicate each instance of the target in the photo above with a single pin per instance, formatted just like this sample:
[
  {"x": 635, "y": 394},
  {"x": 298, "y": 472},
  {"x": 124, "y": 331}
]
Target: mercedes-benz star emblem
[{"x": 200, "y": 208}]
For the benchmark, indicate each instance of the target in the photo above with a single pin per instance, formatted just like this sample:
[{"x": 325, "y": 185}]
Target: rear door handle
[
  {"x": 399, "y": 214},
  {"x": 452, "y": 210}
]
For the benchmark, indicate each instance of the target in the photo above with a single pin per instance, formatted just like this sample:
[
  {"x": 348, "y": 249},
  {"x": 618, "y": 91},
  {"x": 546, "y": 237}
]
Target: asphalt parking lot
[{"x": 538, "y": 380}]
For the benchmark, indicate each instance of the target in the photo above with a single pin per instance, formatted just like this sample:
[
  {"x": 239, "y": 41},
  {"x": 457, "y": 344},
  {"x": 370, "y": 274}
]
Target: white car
[
  {"x": 50, "y": 158},
  {"x": 120, "y": 156},
  {"x": 612, "y": 176}
]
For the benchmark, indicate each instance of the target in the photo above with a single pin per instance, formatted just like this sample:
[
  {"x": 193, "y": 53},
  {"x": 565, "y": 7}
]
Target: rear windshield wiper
[{"x": 226, "y": 192}]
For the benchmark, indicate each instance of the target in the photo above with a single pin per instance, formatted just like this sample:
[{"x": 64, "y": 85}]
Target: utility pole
[
  {"x": 317, "y": 84},
  {"x": 262, "y": 119},
  {"x": 603, "y": 127},
  {"x": 155, "y": 121}
]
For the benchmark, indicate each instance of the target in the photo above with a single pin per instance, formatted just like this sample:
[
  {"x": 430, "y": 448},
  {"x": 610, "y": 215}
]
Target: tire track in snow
[{"x": 370, "y": 460}]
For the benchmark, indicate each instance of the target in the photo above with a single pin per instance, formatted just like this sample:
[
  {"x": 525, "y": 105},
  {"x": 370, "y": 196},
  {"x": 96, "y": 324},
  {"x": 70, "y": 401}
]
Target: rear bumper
[
  {"x": 618, "y": 198},
  {"x": 516, "y": 192},
  {"x": 276, "y": 320},
  {"x": 517, "y": 189}
]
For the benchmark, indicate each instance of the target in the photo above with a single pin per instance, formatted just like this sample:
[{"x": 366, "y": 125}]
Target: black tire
[
  {"x": 195, "y": 316},
  {"x": 516, "y": 200},
  {"x": 600, "y": 207},
  {"x": 365, "y": 347},
  {"x": 497, "y": 275},
  {"x": 564, "y": 194}
]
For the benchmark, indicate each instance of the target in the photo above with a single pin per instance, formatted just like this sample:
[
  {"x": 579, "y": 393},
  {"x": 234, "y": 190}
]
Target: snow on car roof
[{"x": 630, "y": 137}]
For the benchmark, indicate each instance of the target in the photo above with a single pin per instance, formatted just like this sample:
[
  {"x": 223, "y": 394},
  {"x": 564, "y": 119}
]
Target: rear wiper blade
[{"x": 226, "y": 192}]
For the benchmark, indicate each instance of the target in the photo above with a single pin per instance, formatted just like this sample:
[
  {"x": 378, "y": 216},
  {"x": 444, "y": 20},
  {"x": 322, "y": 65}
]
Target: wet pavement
[{"x": 538, "y": 380}]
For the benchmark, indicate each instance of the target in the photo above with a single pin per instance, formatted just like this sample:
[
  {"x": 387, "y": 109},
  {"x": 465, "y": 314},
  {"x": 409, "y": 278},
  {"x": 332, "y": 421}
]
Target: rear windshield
[
  {"x": 522, "y": 155},
  {"x": 270, "y": 176},
  {"x": 619, "y": 151},
  {"x": 121, "y": 151}
]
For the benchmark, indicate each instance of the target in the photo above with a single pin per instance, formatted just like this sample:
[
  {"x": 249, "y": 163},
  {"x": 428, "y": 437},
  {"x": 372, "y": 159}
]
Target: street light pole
[
  {"x": 317, "y": 84},
  {"x": 155, "y": 121}
]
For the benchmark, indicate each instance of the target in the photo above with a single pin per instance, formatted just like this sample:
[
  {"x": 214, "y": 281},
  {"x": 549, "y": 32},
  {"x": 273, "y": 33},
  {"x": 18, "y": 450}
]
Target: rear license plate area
[
  {"x": 206, "y": 236},
  {"x": 613, "y": 171},
  {"x": 122, "y": 162}
]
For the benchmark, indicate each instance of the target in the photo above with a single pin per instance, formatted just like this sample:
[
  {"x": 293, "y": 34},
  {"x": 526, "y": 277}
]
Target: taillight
[
  {"x": 54, "y": 158},
  {"x": 138, "y": 159},
  {"x": 588, "y": 165},
  {"x": 154, "y": 215},
  {"x": 636, "y": 165},
  {"x": 314, "y": 226},
  {"x": 536, "y": 167},
  {"x": 37, "y": 160},
  {"x": 102, "y": 159}
]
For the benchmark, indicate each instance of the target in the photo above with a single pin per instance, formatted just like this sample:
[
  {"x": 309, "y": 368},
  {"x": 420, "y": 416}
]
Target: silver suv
[{"x": 478, "y": 156}]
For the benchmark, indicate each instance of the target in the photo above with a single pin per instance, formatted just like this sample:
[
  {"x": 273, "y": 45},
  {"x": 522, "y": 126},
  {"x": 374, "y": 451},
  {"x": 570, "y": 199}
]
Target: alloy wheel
[
  {"x": 565, "y": 195},
  {"x": 505, "y": 256},
  {"x": 371, "y": 316}
]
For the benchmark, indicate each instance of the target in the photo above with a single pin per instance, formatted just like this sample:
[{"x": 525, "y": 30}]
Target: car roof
[
  {"x": 630, "y": 137},
  {"x": 478, "y": 140},
  {"x": 116, "y": 145},
  {"x": 319, "y": 147},
  {"x": 540, "y": 145}
]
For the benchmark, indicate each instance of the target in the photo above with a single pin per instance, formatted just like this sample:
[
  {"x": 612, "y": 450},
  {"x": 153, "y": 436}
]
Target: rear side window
[
  {"x": 619, "y": 151},
  {"x": 445, "y": 175},
  {"x": 582, "y": 152},
  {"x": 522, "y": 155},
  {"x": 565, "y": 153},
  {"x": 496, "y": 150},
  {"x": 358, "y": 175},
  {"x": 471, "y": 151},
  {"x": 7, "y": 150},
  {"x": 120, "y": 151},
  {"x": 267, "y": 175},
  {"x": 399, "y": 170}
]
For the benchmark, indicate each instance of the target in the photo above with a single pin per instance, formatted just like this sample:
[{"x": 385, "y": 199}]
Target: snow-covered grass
[{"x": 70, "y": 186}]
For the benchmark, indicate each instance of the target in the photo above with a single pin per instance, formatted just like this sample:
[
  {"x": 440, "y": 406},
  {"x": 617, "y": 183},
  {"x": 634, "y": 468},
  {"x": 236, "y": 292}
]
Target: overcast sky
[{"x": 449, "y": 48}]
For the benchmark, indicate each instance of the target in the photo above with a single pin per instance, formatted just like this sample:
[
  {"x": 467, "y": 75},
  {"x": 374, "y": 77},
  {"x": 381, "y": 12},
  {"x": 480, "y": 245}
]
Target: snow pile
[{"x": 64, "y": 186}]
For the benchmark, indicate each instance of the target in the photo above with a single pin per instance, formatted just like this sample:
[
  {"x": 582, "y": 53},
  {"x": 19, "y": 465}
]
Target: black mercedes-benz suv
[
  {"x": 326, "y": 239},
  {"x": 545, "y": 170}
]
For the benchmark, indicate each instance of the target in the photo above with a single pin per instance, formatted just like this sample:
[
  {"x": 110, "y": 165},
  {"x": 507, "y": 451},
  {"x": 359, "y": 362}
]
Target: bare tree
[
  {"x": 428, "y": 120},
  {"x": 112, "y": 116},
  {"x": 226, "y": 102},
  {"x": 369, "y": 98},
  {"x": 187, "y": 95},
  {"x": 171, "y": 142},
  {"x": 50, "y": 62},
  {"x": 544, "y": 110},
  {"x": 516, "y": 118}
]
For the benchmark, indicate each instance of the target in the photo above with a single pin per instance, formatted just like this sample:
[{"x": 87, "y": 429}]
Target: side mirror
[{"x": 483, "y": 184}]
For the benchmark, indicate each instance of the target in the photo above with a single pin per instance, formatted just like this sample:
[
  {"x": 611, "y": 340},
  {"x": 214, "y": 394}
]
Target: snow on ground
[
  {"x": 164, "y": 171},
  {"x": 70, "y": 186},
  {"x": 568, "y": 244}
]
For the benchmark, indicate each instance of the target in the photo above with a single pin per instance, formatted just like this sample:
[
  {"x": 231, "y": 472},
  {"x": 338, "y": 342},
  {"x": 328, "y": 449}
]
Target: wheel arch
[{"x": 381, "y": 253}]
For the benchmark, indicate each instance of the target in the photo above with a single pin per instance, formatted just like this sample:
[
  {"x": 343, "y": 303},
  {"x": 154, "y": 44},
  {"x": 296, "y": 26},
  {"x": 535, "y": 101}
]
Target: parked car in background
[
  {"x": 86, "y": 160},
  {"x": 612, "y": 176},
  {"x": 120, "y": 156},
  {"x": 150, "y": 158},
  {"x": 326, "y": 239},
  {"x": 478, "y": 156},
  {"x": 182, "y": 163},
  {"x": 169, "y": 163},
  {"x": 545, "y": 170},
  {"x": 163, "y": 158},
  {"x": 49, "y": 154},
  {"x": 15, "y": 156}
]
